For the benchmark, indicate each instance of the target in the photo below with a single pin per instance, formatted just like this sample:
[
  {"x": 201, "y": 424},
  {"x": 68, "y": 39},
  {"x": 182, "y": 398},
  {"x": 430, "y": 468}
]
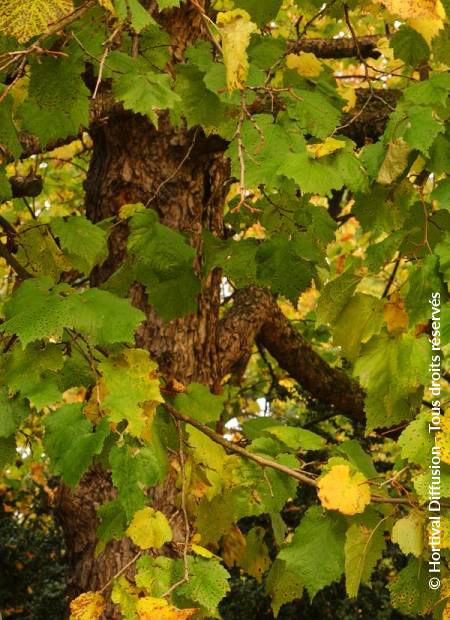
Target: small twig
[
  {"x": 264, "y": 462},
  {"x": 391, "y": 277},
  {"x": 121, "y": 571}
]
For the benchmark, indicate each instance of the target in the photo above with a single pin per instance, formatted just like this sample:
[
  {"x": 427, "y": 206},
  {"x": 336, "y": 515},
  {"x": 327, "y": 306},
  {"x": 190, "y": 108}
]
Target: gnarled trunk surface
[{"x": 183, "y": 177}]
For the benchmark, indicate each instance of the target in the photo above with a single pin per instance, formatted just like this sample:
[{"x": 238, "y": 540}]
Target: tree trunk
[{"x": 183, "y": 177}]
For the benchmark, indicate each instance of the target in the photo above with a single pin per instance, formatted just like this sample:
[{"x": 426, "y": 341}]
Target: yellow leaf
[
  {"x": 407, "y": 9},
  {"x": 149, "y": 528},
  {"x": 235, "y": 30},
  {"x": 130, "y": 209},
  {"x": 443, "y": 437},
  {"x": 395, "y": 314},
  {"x": 428, "y": 27},
  {"x": 24, "y": 19},
  {"x": 108, "y": 5},
  {"x": 87, "y": 606},
  {"x": 342, "y": 490},
  {"x": 394, "y": 162},
  {"x": 325, "y": 148},
  {"x": 305, "y": 63},
  {"x": 150, "y": 608},
  {"x": 204, "y": 553},
  {"x": 348, "y": 93},
  {"x": 234, "y": 545}
]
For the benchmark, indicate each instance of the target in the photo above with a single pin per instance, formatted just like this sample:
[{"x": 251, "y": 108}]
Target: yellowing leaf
[
  {"x": 394, "y": 162},
  {"x": 235, "y": 30},
  {"x": 204, "y": 553},
  {"x": 330, "y": 145},
  {"x": 150, "y": 608},
  {"x": 443, "y": 437},
  {"x": 395, "y": 314},
  {"x": 108, "y": 5},
  {"x": 306, "y": 64},
  {"x": 342, "y": 490},
  {"x": 428, "y": 27},
  {"x": 24, "y": 19},
  {"x": 149, "y": 528},
  {"x": 87, "y": 606},
  {"x": 408, "y": 533},
  {"x": 407, "y": 9}
]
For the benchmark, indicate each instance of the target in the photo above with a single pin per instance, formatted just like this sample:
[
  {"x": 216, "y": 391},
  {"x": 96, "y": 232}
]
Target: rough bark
[
  {"x": 181, "y": 175},
  {"x": 256, "y": 316},
  {"x": 338, "y": 48}
]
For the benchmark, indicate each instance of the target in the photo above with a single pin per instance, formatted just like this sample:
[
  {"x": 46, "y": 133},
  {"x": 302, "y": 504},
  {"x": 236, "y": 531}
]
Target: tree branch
[
  {"x": 264, "y": 462},
  {"x": 13, "y": 262},
  {"x": 256, "y": 317},
  {"x": 338, "y": 48}
]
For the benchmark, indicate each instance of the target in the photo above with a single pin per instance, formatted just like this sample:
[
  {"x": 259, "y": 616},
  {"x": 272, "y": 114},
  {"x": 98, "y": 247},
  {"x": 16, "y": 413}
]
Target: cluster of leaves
[{"x": 69, "y": 354}]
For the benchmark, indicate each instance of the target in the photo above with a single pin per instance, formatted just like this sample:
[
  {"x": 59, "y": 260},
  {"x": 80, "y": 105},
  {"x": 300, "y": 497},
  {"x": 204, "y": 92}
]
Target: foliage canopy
[{"x": 334, "y": 119}]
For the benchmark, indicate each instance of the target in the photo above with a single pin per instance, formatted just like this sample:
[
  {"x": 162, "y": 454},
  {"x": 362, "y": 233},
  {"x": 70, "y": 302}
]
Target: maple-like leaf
[
  {"x": 24, "y": 19},
  {"x": 149, "y": 529},
  {"x": 341, "y": 489},
  {"x": 87, "y": 606}
]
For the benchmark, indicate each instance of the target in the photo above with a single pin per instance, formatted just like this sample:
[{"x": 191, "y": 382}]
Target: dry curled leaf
[{"x": 235, "y": 30}]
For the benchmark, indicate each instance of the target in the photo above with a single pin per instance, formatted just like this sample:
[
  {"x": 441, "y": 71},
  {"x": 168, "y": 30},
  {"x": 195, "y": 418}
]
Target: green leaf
[
  {"x": 320, "y": 176},
  {"x": 316, "y": 115},
  {"x": 163, "y": 263},
  {"x": 296, "y": 438},
  {"x": 12, "y": 412},
  {"x": 410, "y": 592},
  {"x": 198, "y": 104},
  {"x": 40, "y": 310},
  {"x": 416, "y": 440},
  {"x": 36, "y": 310},
  {"x": 422, "y": 128},
  {"x": 207, "y": 585},
  {"x": 359, "y": 459},
  {"x": 364, "y": 545},
  {"x": 441, "y": 193},
  {"x": 112, "y": 526},
  {"x": 33, "y": 372},
  {"x": 104, "y": 318},
  {"x": 9, "y": 138},
  {"x": 260, "y": 12},
  {"x": 84, "y": 243},
  {"x": 410, "y": 46},
  {"x": 198, "y": 403},
  {"x": 282, "y": 585},
  {"x": 131, "y": 472},
  {"x": 8, "y": 450},
  {"x": 320, "y": 534},
  {"x": 57, "y": 104},
  {"x": 409, "y": 533},
  {"x": 168, "y": 4},
  {"x": 140, "y": 17},
  {"x": 139, "y": 87},
  {"x": 424, "y": 279},
  {"x": 335, "y": 296},
  {"x": 236, "y": 258},
  {"x": 132, "y": 389},
  {"x": 286, "y": 265},
  {"x": 365, "y": 314},
  {"x": 393, "y": 372},
  {"x": 71, "y": 442}
]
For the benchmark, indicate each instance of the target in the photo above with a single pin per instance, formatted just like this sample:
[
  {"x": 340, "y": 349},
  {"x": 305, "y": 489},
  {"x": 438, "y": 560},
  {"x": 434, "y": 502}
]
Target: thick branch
[
  {"x": 13, "y": 262},
  {"x": 255, "y": 316},
  {"x": 338, "y": 48}
]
